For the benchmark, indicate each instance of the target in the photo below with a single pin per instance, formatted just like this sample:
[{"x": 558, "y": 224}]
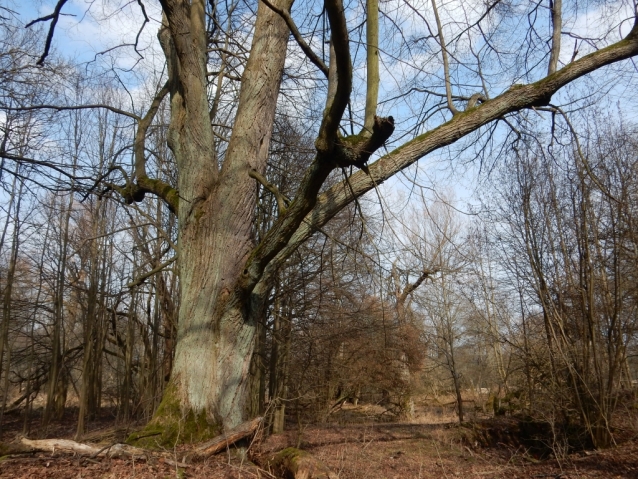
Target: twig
[
  {"x": 54, "y": 20},
  {"x": 312, "y": 56},
  {"x": 282, "y": 201}
]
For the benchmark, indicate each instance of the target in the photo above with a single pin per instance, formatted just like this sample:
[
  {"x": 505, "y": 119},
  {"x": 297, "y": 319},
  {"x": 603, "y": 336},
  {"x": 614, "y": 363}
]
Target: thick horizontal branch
[
  {"x": 136, "y": 192},
  {"x": 162, "y": 190},
  {"x": 516, "y": 98}
]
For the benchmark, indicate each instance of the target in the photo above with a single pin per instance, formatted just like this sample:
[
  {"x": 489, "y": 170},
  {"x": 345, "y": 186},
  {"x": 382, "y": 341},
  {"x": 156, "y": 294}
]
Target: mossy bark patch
[
  {"x": 9, "y": 448},
  {"x": 293, "y": 463},
  {"x": 171, "y": 425}
]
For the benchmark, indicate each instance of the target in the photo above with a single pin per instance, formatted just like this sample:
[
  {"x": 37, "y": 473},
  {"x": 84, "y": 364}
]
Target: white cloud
[{"x": 88, "y": 28}]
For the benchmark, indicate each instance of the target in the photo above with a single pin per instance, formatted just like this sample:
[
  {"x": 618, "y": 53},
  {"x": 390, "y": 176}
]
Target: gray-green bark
[{"x": 216, "y": 210}]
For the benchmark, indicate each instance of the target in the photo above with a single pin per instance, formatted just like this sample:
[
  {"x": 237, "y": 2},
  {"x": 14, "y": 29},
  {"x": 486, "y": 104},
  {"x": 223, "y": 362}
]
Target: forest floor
[{"x": 430, "y": 447}]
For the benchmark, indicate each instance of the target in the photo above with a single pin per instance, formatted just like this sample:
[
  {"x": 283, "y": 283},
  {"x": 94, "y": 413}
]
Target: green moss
[
  {"x": 293, "y": 462},
  {"x": 289, "y": 453},
  {"x": 162, "y": 189},
  {"x": 173, "y": 198},
  {"x": 199, "y": 212},
  {"x": 4, "y": 450},
  {"x": 352, "y": 140},
  {"x": 287, "y": 461},
  {"x": 171, "y": 426}
]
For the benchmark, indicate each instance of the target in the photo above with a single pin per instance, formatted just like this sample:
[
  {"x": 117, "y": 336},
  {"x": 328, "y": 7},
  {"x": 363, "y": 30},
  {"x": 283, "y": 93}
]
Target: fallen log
[
  {"x": 66, "y": 446},
  {"x": 71, "y": 447},
  {"x": 220, "y": 443}
]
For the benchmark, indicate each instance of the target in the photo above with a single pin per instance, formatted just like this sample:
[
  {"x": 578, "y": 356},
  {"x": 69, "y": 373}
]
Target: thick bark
[
  {"x": 224, "y": 276},
  {"x": 216, "y": 318}
]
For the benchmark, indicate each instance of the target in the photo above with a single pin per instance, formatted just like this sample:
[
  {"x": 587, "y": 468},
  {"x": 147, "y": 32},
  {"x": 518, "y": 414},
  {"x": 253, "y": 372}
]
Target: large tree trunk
[
  {"x": 216, "y": 322},
  {"x": 217, "y": 316}
]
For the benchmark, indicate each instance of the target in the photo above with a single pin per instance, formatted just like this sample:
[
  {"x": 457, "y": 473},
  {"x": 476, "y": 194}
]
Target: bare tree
[
  {"x": 569, "y": 220},
  {"x": 225, "y": 275}
]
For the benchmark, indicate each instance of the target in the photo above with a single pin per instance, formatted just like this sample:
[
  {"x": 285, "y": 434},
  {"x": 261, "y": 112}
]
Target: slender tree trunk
[
  {"x": 56, "y": 391},
  {"x": 89, "y": 365},
  {"x": 4, "y": 326},
  {"x": 90, "y": 392},
  {"x": 7, "y": 304},
  {"x": 127, "y": 395},
  {"x": 282, "y": 337},
  {"x": 457, "y": 392}
]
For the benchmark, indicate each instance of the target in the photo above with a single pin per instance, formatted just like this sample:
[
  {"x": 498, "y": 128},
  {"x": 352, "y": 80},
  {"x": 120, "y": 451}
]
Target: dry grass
[{"x": 357, "y": 443}]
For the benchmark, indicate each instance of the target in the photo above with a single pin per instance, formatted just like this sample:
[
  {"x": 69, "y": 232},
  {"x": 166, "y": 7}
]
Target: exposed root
[{"x": 220, "y": 443}]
